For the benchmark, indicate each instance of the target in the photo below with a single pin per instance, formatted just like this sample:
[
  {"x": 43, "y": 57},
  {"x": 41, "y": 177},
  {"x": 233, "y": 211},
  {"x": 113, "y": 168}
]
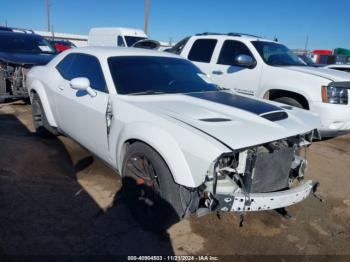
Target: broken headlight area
[{"x": 262, "y": 177}]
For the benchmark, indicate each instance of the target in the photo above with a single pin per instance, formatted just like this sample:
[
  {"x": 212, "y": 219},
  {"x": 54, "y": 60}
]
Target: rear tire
[
  {"x": 149, "y": 189},
  {"x": 289, "y": 101},
  {"x": 42, "y": 126}
]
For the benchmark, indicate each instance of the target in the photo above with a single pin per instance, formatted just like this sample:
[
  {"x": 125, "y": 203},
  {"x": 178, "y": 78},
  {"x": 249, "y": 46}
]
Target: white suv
[{"x": 254, "y": 66}]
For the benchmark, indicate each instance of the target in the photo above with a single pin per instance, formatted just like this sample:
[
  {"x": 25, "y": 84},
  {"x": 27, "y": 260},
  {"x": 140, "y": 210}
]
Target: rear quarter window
[{"x": 202, "y": 50}]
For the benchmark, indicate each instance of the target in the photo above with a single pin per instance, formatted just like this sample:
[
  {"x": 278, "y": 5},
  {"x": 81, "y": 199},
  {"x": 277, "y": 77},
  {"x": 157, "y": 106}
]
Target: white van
[{"x": 115, "y": 36}]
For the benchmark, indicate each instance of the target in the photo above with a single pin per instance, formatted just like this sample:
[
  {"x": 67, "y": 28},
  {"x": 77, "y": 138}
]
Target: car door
[
  {"x": 81, "y": 116},
  {"x": 229, "y": 75}
]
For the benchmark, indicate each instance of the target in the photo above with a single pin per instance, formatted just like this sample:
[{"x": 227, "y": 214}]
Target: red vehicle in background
[
  {"x": 62, "y": 45},
  {"x": 320, "y": 56}
]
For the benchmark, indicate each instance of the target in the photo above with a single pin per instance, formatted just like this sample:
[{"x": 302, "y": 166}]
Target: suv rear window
[{"x": 202, "y": 50}]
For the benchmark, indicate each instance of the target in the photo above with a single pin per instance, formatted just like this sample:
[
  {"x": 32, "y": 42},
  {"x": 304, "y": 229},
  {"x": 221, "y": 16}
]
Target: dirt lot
[{"x": 56, "y": 199}]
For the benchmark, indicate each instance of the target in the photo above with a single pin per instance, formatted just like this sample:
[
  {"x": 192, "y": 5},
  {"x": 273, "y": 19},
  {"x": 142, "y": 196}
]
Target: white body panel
[
  {"x": 303, "y": 80},
  {"x": 345, "y": 68},
  {"x": 168, "y": 123}
]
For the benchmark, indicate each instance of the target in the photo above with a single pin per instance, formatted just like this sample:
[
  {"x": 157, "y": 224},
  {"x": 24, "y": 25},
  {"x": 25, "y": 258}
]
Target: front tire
[
  {"x": 289, "y": 101},
  {"x": 42, "y": 126},
  {"x": 149, "y": 189}
]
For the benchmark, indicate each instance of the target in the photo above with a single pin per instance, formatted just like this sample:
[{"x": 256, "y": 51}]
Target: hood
[
  {"x": 233, "y": 120},
  {"x": 327, "y": 73},
  {"x": 26, "y": 59}
]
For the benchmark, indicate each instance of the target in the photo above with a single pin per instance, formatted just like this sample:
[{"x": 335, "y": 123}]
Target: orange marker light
[{"x": 324, "y": 94}]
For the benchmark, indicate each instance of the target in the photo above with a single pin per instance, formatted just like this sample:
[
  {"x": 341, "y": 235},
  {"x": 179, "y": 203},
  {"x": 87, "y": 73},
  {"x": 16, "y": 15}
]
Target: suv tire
[{"x": 289, "y": 101}]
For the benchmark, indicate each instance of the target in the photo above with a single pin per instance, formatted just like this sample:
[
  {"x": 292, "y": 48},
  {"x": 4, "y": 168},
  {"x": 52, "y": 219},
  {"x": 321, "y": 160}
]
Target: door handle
[
  {"x": 217, "y": 72},
  {"x": 60, "y": 87}
]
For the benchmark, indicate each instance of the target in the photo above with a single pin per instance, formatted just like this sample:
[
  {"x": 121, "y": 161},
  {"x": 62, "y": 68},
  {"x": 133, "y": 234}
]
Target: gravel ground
[{"x": 50, "y": 203}]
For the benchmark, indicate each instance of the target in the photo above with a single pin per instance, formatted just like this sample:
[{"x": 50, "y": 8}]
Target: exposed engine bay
[
  {"x": 12, "y": 80},
  {"x": 262, "y": 177}
]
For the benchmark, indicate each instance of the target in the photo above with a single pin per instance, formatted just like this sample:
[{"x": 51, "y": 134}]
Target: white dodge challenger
[{"x": 181, "y": 143}]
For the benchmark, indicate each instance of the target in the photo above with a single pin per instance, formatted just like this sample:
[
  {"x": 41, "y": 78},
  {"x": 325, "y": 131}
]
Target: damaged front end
[
  {"x": 263, "y": 177},
  {"x": 13, "y": 81}
]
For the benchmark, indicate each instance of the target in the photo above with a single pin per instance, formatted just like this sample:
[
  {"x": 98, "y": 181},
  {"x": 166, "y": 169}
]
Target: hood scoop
[
  {"x": 215, "y": 119},
  {"x": 275, "y": 116}
]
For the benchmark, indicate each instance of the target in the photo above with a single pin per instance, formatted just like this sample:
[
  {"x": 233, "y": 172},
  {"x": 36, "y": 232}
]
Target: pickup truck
[{"x": 253, "y": 66}]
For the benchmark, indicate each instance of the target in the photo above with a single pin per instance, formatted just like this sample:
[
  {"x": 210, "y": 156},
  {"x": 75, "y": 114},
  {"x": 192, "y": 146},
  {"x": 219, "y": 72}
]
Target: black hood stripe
[{"x": 238, "y": 101}]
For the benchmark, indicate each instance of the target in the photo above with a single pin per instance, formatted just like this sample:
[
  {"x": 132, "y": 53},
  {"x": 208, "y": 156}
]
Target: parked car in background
[
  {"x": 19, "y": 51},
  {"x": 61, "y": 45},
  {"x": 258, "y": 67},
  {"x": 147, "y": 44},
  {"x": 340, "y": 67},
  {"x": 181, "y": 143},
  {"x": 307, "y": 60}
]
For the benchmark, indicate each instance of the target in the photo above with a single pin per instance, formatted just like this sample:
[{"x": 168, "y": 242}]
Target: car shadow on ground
[{"x": 44, "y": 211}]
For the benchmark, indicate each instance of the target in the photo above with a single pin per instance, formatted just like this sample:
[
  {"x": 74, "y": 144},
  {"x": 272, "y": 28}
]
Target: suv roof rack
[
  {"x": 209, "y": 33},
  {"x": 229, "y": 34},
  {"x": 242, "y": 34},
  {"x": 16, "y": 30}
]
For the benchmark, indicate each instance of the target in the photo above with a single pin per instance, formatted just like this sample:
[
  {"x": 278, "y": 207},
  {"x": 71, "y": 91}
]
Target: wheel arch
[
  {"x": 36, "y": 87},
  {"x": 164, "y": 144},
  {"x": 272, "y": 94}
]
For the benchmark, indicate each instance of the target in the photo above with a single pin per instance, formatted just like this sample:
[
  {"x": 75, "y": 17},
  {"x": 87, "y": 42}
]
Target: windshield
[
  {"x": 152, "y": 75},
  {"x": 17, "y": 43},
  {"x": 275, "y": 54},
  {"x": 130, "y": 40}
]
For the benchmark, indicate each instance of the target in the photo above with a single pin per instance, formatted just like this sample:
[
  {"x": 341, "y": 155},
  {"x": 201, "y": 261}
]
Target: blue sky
[{"x": 326, "y": 22}]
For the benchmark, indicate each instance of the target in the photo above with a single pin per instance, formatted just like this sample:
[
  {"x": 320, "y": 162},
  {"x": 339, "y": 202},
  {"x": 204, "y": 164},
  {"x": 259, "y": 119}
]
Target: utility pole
[
  {"x": 48, "y": 6},
  {"x": 306, "y": 42},
  {"x": 146, "y": 16}
]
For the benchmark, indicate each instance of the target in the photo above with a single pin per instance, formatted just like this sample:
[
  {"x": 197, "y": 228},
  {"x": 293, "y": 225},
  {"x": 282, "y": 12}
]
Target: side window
[
  {"x": 88, "y": 66},
  {"x": 202, "y": 50},
  {"x": 120, "y": 41},
  {"x": 230, "y": 49},
  {"x": 64, "y": 66}
]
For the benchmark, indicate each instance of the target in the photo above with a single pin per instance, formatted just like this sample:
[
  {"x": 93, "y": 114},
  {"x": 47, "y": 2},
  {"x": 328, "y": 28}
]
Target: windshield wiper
[{"x": 148, "y": 92}]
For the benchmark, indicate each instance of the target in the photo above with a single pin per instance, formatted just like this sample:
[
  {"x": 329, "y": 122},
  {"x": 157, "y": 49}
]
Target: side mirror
[
  {"x": 245, "y": 61},
  {"x": 83, "y": 84}
]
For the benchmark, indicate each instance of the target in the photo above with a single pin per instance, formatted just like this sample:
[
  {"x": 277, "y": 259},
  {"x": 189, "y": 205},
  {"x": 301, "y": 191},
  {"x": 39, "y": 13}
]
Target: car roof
[{"x": 106, "y": 52}]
